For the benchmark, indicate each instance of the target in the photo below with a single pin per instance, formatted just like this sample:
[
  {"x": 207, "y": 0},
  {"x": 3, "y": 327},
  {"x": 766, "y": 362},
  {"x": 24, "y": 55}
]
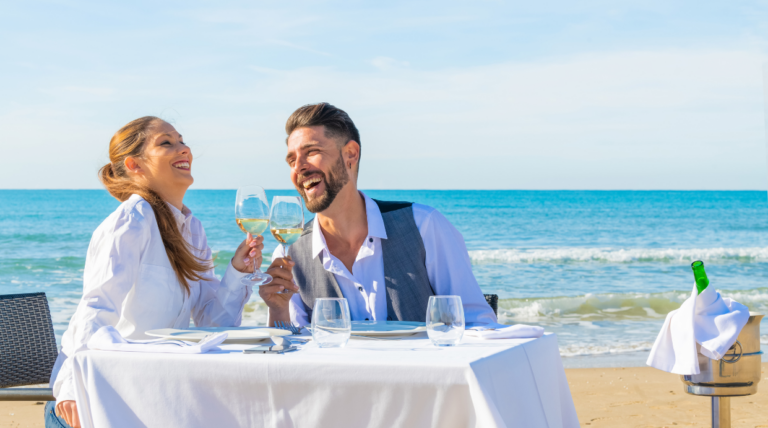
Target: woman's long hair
[{"x": 129, "y": 141}]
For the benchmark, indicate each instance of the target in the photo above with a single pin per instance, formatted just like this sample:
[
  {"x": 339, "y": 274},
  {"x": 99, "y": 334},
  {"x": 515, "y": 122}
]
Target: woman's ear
[{"x": 131, "y": 166}]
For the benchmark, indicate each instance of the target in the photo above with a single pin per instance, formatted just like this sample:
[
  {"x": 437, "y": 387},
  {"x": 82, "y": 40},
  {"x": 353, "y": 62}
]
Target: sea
[{"x": 601, "y": 269}]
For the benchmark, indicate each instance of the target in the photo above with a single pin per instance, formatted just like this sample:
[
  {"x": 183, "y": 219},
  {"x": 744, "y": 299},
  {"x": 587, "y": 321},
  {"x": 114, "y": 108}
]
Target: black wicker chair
[
  {"x": 493, "y": 301},
  {"x": 27, "y": 347}
]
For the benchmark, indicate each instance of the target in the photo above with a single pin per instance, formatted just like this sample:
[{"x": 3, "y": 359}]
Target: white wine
[
  {"x": 287, "y": 236},
  {"x": 256, "y": 226}
]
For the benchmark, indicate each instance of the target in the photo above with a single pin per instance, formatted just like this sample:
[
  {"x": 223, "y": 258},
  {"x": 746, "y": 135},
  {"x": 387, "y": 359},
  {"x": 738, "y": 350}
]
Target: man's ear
[{"x": 351, "y": 153}]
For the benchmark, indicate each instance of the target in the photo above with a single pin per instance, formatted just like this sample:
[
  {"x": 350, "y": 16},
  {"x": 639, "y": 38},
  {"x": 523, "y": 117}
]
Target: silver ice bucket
[{"x": 737, "y": 373}]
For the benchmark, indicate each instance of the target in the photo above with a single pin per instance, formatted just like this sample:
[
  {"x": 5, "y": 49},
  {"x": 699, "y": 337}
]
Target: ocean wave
[
  {"x": 586, "y": 350},
  {"x": 613, "y": 306},
  {"x": 612, "y": 255}
]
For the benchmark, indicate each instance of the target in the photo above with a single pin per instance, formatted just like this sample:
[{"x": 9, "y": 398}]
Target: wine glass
[
  {"x": 331, "y": 325},
  {"x": 445, "y": 320},
  {"x": 286, "y": 221},
  {"x": 252, "y": 215}
]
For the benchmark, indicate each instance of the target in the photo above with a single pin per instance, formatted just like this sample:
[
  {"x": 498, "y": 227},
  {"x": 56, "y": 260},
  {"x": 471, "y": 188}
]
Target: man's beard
[{"x": 335, "y": 180}]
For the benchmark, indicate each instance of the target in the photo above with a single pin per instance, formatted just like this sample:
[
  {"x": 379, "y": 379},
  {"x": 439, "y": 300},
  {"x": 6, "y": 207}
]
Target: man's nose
[{"x": 300, "y": 165}]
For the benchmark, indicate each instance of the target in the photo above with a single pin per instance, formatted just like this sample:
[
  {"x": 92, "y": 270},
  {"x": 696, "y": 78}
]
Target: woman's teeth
[{"x": 181, "y": 165}]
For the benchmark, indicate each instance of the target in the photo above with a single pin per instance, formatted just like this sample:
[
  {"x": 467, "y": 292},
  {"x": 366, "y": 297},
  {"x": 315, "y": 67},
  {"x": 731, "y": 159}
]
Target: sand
[
  {"x": 612, "y": 397},
  {"x": 646, "y": 397}
]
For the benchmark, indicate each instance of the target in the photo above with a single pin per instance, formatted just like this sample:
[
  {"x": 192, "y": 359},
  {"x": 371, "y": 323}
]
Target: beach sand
[
  {"x": 610, "y": 397},
  {"x": 646, "y": 397}
]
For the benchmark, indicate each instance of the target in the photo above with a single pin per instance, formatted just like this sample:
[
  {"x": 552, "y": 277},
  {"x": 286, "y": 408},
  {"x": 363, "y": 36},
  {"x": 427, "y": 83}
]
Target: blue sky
[{"x": 451, "y": 95}]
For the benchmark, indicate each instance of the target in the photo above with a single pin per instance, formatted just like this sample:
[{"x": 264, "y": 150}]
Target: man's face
[{"x": 317, "y": 167}]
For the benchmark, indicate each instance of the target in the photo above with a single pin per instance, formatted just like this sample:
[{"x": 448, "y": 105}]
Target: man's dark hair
[{"x": 336, "y": 121}]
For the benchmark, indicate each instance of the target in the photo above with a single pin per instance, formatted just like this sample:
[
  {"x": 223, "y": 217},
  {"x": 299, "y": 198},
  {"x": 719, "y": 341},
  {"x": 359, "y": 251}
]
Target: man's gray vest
[{"x": 405, "y": 271}]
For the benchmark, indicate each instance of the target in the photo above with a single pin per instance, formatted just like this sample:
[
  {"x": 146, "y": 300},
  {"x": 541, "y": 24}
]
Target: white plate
[
  {"x": 234, "y": 334},
  {"x": 387, "y": 328}
]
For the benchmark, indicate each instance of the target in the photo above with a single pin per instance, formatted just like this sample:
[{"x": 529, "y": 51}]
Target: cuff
[
  {"x": 232, "y": 277},
  {"x": 66, "y": 391}
]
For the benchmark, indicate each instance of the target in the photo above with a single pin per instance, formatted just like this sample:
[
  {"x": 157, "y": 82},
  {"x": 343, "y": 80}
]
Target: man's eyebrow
[{"x": 289, "y": 156}]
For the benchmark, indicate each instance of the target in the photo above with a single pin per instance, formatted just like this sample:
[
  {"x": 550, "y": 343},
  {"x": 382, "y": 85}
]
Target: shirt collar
[
  {"x": 376, "y": 227},
  {"x": 181, "y": 216}
]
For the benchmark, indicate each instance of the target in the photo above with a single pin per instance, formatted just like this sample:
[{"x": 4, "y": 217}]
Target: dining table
[{"x": 371, "y": 382}]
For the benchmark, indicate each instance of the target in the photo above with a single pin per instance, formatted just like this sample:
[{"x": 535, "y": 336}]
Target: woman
[{"x": 148, "y": 264}]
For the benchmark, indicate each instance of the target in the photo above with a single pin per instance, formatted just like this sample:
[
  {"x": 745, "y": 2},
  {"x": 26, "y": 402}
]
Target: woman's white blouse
[{"x": 129, "y": 283}]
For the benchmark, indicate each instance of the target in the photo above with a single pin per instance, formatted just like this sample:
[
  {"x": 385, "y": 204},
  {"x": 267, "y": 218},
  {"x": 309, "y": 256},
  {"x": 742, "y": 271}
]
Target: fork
[{"x": 288, "y": 326}]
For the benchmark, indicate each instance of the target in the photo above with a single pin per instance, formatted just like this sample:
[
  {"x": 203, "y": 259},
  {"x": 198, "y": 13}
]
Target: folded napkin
[
  {"x": 706, "y": 323},
  {"x": 107, "y": 338},
  {"x": 501, "y": 331}
]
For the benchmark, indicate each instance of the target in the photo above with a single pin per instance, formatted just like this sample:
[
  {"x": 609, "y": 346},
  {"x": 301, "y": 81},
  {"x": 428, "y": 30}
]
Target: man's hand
[
  {"x": 248, "y": 254},
  {"x": 68, "y": 411},
  {"x": 282, "y": 279}
]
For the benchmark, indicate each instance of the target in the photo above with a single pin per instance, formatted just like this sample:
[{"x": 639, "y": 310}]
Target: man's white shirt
[{"x": 447, "y": 262}]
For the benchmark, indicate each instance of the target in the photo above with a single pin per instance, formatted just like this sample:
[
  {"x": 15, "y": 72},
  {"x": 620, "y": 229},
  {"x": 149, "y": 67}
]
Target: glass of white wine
[
  {"x": 286, "y": 221},
  {"x": 252, "y": 215}
]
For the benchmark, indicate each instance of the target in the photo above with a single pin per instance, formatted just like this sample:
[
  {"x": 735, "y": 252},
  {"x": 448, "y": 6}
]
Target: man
[{"x": 385, "y": 258}]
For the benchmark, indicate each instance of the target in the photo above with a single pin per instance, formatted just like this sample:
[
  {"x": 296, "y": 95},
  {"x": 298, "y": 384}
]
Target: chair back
[
  {"x": 27, "y": 343},
  {"x": 493, "y": 301}
]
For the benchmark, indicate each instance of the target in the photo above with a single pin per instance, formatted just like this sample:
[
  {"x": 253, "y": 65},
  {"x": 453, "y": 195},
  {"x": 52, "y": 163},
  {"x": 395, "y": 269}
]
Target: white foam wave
[
  {"x": 614, "y": 306},
  {"x": 612, "y": 255},
  {"x": 585, "y": 350},
  {"x": 255, "y": 312}
]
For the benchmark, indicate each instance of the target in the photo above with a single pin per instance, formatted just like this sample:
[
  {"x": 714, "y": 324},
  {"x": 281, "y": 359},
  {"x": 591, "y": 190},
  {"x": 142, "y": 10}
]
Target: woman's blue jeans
[{"x": 51, "y": 419}]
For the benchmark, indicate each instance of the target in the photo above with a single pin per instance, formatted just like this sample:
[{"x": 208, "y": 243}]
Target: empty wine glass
[
  {"x": 331, "y": 324},
  {"x": 445, "y": 320},
  {"x": 286, "y": 221},
  {"x": 252, "y": 215}
]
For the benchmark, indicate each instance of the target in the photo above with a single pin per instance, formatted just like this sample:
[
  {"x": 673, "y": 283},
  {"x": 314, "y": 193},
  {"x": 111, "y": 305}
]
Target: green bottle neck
[{"x": 701, "y": 278}]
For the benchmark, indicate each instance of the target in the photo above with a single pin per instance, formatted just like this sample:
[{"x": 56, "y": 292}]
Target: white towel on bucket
[
  {"x": 107, "y": 338},
  {"x": 706, "y": 319}
]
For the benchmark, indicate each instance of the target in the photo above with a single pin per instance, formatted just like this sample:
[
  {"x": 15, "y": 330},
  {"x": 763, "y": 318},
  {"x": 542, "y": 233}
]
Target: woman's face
[{"x": 166, "y": 162}]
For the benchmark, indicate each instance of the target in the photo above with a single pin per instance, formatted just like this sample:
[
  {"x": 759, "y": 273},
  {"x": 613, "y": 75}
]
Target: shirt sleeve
[
  {"x": 448, "y": 265},
  {"x": 220, "y": 303},
  {"x": 111, "y": 268}
]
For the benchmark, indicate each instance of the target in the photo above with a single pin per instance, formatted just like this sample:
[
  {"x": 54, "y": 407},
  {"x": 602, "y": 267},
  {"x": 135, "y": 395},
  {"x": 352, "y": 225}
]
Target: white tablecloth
[{"x": 370, "y": 383}]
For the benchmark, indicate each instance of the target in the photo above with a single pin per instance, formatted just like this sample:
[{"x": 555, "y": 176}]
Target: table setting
[{"x": 334, "y": 372}]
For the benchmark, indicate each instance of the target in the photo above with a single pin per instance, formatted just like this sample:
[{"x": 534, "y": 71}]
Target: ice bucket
[{"x": 737, "y": 373}]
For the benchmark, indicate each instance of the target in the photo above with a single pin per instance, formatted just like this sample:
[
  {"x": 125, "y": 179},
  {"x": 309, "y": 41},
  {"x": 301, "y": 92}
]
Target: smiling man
[{"x": 385, "y": 258}]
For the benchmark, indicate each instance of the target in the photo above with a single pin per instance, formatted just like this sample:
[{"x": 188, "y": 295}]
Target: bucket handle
[{"x": 735, "y": 354}]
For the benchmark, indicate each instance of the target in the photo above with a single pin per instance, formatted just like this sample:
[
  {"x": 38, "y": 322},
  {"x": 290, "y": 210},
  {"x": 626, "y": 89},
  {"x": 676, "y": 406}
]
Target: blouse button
[
  {"x": 370, "y": 239},
  {"x": 360, "y": 288}
]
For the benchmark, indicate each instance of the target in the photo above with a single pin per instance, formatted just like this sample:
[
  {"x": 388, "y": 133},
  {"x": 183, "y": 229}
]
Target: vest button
[
  {"x": 360, "y": 288},
  {"x": 371, "y": 240}
]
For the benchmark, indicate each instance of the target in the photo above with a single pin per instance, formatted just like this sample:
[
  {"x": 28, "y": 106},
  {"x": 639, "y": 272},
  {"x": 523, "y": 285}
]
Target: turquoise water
[{"x": 599, "y": 268}]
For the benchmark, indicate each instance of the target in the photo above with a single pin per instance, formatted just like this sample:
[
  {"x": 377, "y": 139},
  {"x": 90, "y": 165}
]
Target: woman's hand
[
  {"x": 248, "y": 254},
  {"x": 68, "y": 411},
  {"x": 282, "y": 279}
]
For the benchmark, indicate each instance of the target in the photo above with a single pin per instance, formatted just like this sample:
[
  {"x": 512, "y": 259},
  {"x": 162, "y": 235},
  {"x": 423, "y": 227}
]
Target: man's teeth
[
  {"x": 182, "y": 165},
  {"x": 310, "y": 182}
]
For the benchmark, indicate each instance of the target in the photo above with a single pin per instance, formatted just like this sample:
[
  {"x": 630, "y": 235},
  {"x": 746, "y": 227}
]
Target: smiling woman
[
  {"x": 149, "y": 158},
  {"x": 148, "y": 265}
]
